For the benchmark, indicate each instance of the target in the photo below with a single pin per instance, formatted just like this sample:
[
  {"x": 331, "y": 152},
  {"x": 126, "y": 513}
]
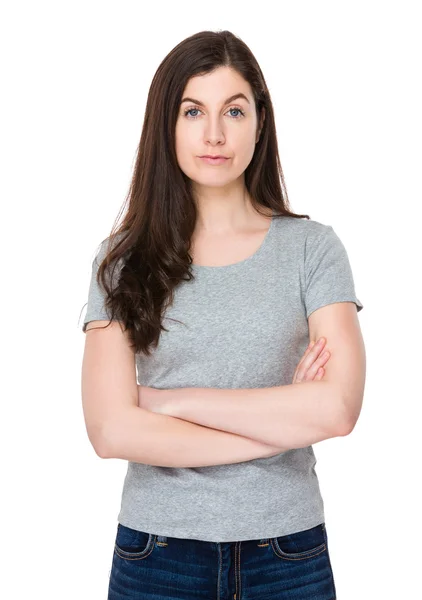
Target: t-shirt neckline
[{"x": 245, "y": 261}]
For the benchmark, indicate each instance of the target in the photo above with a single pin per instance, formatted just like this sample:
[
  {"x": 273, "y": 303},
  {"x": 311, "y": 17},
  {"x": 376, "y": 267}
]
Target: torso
[{"x": 215, "y": 251}]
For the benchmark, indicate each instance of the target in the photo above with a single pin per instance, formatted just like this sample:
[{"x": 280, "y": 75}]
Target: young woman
[{"x": 207, "y": 295}]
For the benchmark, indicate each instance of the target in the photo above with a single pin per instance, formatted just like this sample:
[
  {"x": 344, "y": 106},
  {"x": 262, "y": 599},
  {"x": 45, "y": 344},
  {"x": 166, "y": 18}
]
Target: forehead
[{"x": 218, "y": 87}]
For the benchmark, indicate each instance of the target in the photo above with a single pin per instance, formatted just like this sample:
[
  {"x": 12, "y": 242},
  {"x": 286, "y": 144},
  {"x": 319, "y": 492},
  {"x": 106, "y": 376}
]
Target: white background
[{"x": 345, "y": 83}]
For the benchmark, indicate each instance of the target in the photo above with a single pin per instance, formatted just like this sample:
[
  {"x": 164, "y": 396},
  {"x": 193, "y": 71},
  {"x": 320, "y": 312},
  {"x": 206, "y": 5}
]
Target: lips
[
  {"x": 213, "y": 156},
  {"x": 215, "y": 161}
]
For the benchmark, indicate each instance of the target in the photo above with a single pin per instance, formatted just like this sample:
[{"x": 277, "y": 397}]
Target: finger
[
  {"x": 302, "y": 372},
  {"x": 305, "y": 354},
  {"x": 320, "y": 373},
  {"x": 317, "y": 375},
  {"x": 310, "y": 358},
  {"x": 306, "y": 361},
  {"x": 319, "y": 362},
  {"x": 296, "y": 378}
]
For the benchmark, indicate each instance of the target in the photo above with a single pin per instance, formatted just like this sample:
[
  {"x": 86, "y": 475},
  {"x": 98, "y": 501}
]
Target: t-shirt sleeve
[
  {"x": 328, "y": 273},
  {"x": 96, "y": 309}
]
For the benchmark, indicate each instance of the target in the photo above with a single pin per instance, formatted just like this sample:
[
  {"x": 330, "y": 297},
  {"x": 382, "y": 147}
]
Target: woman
[{"x": 212, "y": 289}]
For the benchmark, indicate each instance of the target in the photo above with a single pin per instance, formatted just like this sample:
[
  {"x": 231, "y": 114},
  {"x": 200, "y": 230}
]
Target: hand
[
  {"x": 310, "y": 368},
  {"x": 151, "y": 399}
]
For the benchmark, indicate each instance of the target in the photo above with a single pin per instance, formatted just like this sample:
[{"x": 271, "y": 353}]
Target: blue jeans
[{"x": 290, "y": 567}]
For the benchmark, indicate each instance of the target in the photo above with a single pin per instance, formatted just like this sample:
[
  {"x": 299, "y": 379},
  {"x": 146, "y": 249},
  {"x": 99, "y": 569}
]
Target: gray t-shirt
[{"x": 245, "y": 326}]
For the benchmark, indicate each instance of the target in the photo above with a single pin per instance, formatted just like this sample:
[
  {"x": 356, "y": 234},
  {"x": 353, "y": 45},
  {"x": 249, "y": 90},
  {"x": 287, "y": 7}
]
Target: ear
[{"x": 261, "y": 123}]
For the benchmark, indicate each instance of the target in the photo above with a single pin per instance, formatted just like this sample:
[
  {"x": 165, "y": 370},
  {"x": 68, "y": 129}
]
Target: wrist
[{"x": 172, "y": 402}]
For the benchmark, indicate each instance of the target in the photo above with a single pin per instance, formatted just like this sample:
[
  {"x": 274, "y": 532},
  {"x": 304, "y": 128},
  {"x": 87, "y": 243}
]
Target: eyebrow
[{"x": 225, "y": 102}]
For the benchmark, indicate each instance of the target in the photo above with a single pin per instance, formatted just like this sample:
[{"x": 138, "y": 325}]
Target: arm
[
  {"x": 118, "y": 428},
  {"x": 292, "y": 416},
  {"x": 139, "y": 435},
  {"x": 295, "y": 415}
]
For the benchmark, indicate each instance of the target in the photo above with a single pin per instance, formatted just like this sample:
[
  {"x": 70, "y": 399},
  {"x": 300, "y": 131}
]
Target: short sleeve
[
  {"x": 96, "y": 309},
  {"x": 328, "y": 273}
]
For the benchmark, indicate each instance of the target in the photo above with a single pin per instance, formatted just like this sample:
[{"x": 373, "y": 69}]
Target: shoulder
[
  {"x": 105, "y": 246},
  {"x": 302, "y": 230}
]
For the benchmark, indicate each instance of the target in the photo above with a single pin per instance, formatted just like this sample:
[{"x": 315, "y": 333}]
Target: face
[{"x": 209, "y": 125}]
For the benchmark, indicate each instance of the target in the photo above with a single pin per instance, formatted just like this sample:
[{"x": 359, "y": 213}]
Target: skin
[
  {"x": 310, "y": 367},
  {"x": 224, "y": 205}
]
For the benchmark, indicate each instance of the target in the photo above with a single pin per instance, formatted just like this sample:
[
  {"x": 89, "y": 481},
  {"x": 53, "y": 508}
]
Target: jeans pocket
[
  {"x": 132, "y": 544},
  {"x": 300, "y": 545}
]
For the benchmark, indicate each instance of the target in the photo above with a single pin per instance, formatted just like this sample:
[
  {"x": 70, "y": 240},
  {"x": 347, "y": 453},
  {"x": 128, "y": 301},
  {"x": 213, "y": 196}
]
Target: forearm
[
  {"x": 288, "y": 416},
  {"x": 139, "y": 435}
]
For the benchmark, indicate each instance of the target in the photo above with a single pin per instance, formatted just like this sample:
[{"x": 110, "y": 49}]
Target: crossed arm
[
  {"x": 295, "y": 415},
  {"x": 208, "y": 426},
  {"x": 289, "y": 416}
]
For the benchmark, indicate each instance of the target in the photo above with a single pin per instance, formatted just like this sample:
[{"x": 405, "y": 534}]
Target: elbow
[
  {"x": 98, "y": 442},
  {"x": 340, "y": 422},
  {"x": 104, "y": 447},
  {"x": 111, "y": 436},
  {"x": 101, "y": 450},
  {"x": 350, "y": 418},
  {"x": 345, "y": 429}
]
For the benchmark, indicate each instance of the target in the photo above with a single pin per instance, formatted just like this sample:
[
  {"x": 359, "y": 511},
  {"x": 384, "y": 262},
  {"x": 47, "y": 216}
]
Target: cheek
[
  {"x": 244, "y": 148},
  {"x": 185, "y": 156},
  {"x": 185, "y": 150},
  {"x": 186, "y": 141}
]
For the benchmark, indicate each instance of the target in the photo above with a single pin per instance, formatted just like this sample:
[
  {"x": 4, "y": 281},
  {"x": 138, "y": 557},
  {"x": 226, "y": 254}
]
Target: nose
[{"x": 214, "y": 133}]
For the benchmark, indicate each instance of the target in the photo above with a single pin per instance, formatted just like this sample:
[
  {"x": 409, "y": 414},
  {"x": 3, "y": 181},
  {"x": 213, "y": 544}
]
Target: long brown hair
[{"x": 152, "y": 243}]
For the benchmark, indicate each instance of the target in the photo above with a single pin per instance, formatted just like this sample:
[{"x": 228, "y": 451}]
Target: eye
[
  {"x": 238, "y": 110},
  {"x": 233, "y": 108}
]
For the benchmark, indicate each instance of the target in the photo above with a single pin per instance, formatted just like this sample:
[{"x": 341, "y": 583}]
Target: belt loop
[{"x": 162, "y": 539}]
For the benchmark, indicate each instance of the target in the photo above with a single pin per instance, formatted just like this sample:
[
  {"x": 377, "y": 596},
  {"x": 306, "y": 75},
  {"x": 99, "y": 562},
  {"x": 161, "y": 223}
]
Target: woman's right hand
[{"x": 311, "y": 366}]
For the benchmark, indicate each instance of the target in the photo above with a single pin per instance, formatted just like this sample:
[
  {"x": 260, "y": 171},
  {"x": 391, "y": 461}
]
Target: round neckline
[{"x": 249, "y": 259}]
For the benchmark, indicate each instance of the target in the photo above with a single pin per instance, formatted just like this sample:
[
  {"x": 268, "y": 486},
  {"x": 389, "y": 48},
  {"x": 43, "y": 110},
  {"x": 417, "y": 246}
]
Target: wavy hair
[{"x": 152, "y": 243}]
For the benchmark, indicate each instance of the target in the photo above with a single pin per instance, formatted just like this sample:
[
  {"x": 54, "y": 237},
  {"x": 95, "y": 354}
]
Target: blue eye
[
  {"x": 238, "y": 109},
  {"x": 189, "y": 110}
]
